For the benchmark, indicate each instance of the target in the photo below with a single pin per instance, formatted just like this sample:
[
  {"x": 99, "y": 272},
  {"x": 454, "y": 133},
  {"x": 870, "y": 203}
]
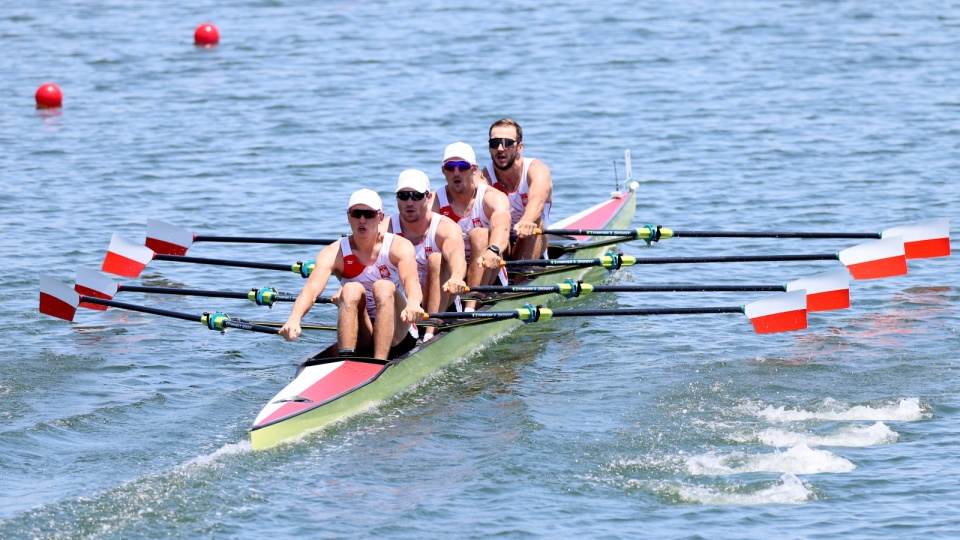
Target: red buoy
[
  {"x": 49, "y": 96},
  {"x": 206, "y": 35}
]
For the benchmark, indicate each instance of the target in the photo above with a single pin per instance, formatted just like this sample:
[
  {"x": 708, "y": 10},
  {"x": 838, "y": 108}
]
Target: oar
[
  {"x": 872, "y": 260},
  {"x": 825, "y": 291},
  {"x": 924, "y": 239},
  {"x": 783, "y": 312},
  {"x": 168, "y": 239},
  {"x": 94, "y": 284},
  {"x": 60, "y": 301},
  {"x": 128, "y": 259}
]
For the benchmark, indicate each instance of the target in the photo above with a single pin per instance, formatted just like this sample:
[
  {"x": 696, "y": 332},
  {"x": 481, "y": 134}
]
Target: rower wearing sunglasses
[
  {"x": 483, "y": 214},
  {"x": 527, "y": 184},
  {"x": 437, "y": 241},
  {"x": 379, "y": 294}
]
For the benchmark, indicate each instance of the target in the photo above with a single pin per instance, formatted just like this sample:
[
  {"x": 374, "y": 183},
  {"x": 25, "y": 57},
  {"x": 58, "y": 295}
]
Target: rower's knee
[
  {"x": 479, "y": 239},
  {"x": 352, "y": 293},
  {"x": 383, "y": 291}
]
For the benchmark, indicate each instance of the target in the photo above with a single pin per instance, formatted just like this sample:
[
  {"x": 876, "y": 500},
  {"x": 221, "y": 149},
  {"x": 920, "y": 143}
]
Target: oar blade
[
  {"x": 876, "y": 259},
  {"x": 825, "y": 291},
  {"x": 167, "y": 239},
  {"x": 782, "y": 312},
  {"x": 94, "y": 284},
  {"x": 57, "y": 299},
  {"x": 925, "y": 239},
  {"x": 126, "y": 258}
]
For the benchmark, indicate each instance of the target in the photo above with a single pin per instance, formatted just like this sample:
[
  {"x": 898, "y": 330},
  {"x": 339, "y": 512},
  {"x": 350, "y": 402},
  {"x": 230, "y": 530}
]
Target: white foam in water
[
  {"x": 225, "y": 450},
  {"x": 850, "y": 436},
  {"x": 906, "y": 410},
  {"x": 789, "y": 490},
  {"x": 800, "y": 459}
]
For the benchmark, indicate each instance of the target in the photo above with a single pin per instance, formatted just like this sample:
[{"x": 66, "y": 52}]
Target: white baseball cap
[
  {"x": 367, "y": 197},
  {"x": 414, "y": 179},
  {"x": 460, "y": 150}
]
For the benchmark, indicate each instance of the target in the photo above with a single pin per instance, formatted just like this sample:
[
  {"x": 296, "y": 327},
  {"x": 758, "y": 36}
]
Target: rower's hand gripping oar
[
  {"x": 924, "y": 239},
  {"x": 783, "y": 312},
  {"x": 97, "y": 285},
  {"x": 167, "y": 239},
  {"x": 871, "y": 260},
  {"x": 128, "y": 259},
  {"x": 825, "y": 291},
  {"x": 60, "y": 301}
]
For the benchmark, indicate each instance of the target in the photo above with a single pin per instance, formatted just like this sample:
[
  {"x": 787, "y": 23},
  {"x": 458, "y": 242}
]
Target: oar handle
[{"x": 259, "y": 240}]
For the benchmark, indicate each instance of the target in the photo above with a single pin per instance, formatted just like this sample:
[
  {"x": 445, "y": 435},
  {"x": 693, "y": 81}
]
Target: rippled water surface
[{"x": 805, "y": 115}]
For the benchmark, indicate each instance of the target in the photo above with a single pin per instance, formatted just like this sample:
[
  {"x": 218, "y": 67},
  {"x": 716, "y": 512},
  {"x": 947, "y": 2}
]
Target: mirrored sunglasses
[{"x": 456, "y": 165}]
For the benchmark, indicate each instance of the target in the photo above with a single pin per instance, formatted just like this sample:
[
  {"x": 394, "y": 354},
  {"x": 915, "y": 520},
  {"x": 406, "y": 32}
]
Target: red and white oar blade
[
  {"x": 93, "y": 283},
  {"x": 782, "y": 312},
  {"x": 825, "y": 291},
  {"x": 876, "y": 259},
  {"x": 57, "y": 299},
  {"x": 167, "y": 239},
  {"x": 930, "y": 238},
  {"x": 126, "y": 258}
]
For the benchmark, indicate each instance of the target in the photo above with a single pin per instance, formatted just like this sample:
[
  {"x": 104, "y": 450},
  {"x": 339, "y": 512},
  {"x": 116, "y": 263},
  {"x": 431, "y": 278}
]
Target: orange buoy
[
  {"x": 49, "y": 96},
  {"x": 206, "y": 35}
]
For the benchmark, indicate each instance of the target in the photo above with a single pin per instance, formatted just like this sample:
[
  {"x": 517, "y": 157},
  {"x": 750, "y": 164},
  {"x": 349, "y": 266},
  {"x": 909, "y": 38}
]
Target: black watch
[{"x": 494, "y": 248}]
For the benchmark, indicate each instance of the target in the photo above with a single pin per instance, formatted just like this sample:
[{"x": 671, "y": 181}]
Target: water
[{"x": 740, "y": 116}]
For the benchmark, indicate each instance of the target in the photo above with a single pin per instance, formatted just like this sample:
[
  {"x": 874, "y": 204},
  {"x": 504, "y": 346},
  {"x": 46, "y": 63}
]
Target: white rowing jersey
[
  {"x": 519, "y": 198},
  {"x": 426, "y": 247},
  {"x": 382, "y": 268},
  {"x": 475, "y": 218}
]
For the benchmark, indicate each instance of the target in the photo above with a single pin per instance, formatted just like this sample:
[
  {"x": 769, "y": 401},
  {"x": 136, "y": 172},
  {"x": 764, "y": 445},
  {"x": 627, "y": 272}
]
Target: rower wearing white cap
[
  {"x": 526, "y": 182},
  {"x": 380, "y": 293},
  {"x": 437, "y": 241},
  {"x": 483, "y": 214}
]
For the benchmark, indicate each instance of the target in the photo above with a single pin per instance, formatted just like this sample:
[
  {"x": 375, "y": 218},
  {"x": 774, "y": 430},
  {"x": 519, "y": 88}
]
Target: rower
[
  {"x": 437, "y": 241},
  {"x": 380, "y": 294},
  {"x": 483, "y": 215},
  {"x": 527, "y": 184}
]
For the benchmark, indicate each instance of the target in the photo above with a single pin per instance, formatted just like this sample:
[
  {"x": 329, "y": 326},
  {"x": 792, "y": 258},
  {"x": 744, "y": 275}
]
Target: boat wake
[{"x": 904, "y": 410}]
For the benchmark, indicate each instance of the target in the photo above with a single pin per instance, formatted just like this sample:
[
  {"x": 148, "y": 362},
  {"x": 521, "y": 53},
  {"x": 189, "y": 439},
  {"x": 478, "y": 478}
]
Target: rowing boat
[{"x": 327, "y": 389}]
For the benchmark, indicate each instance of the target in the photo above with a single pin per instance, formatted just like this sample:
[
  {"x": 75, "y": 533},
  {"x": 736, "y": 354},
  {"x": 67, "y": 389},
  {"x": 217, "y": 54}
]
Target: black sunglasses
[
  {"x": 497, "y": 141},
  {"x": 357, "y": 214},
  {"x": 407, "y": 195}
]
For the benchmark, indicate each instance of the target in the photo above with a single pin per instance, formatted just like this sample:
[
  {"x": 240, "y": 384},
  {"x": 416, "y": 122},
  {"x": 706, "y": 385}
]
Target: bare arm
[
  {"x": 402, "y": 254},
  {"x": 541, "y": 192},
  {"x": 450, "y": 239},
  {"x": 497, "y": 207},
  {"x": 328, "y": 261}
]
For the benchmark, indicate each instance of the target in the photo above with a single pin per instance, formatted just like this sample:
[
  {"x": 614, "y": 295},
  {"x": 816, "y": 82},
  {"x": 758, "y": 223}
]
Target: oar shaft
[
  {"x": 645, "y": 311},
  {"x": 731, "y": 234},
  {"x": 224, "y": 262},
  {"x": 259, "y": 240},
  {"x": 180, "y": 292},
  {"x": 689, "y": 288},
  {"x": 240, "y": 324},
  {"x": 738, "y": 258}
]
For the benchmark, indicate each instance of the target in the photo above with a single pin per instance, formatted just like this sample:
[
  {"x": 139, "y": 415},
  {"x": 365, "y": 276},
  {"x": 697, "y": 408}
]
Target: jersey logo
[
  {"x": 384, "y": 271},
  {"x": 477, "y": 222},
  {"x": 448, "y": 211},
  {"x": 523, "y": 198},
  {"x": 428, "y": 250}
]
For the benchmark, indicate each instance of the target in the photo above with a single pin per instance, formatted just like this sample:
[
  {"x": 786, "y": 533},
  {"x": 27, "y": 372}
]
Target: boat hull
[{"x": 328, "y": 390}]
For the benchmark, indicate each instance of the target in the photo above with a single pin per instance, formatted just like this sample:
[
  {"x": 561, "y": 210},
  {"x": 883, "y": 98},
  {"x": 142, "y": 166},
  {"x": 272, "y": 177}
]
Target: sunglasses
[
  {"x": 458, "y": 165},
  {"x": 407, "y": 195},
  {"x": 368, "y": 214},
  {"x": 496, "y": 142}
]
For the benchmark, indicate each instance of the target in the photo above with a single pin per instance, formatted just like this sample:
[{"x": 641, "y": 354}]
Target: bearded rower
[
  {"x": 526, "y": 183},
  {"x": 380, "y": 293}
]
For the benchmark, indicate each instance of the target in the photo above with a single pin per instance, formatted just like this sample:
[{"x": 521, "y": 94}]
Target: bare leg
[
  {"x": 531, "y": 247},
  {"x": 383, "y": 326},
  {"x": 353, "y": 324}
]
